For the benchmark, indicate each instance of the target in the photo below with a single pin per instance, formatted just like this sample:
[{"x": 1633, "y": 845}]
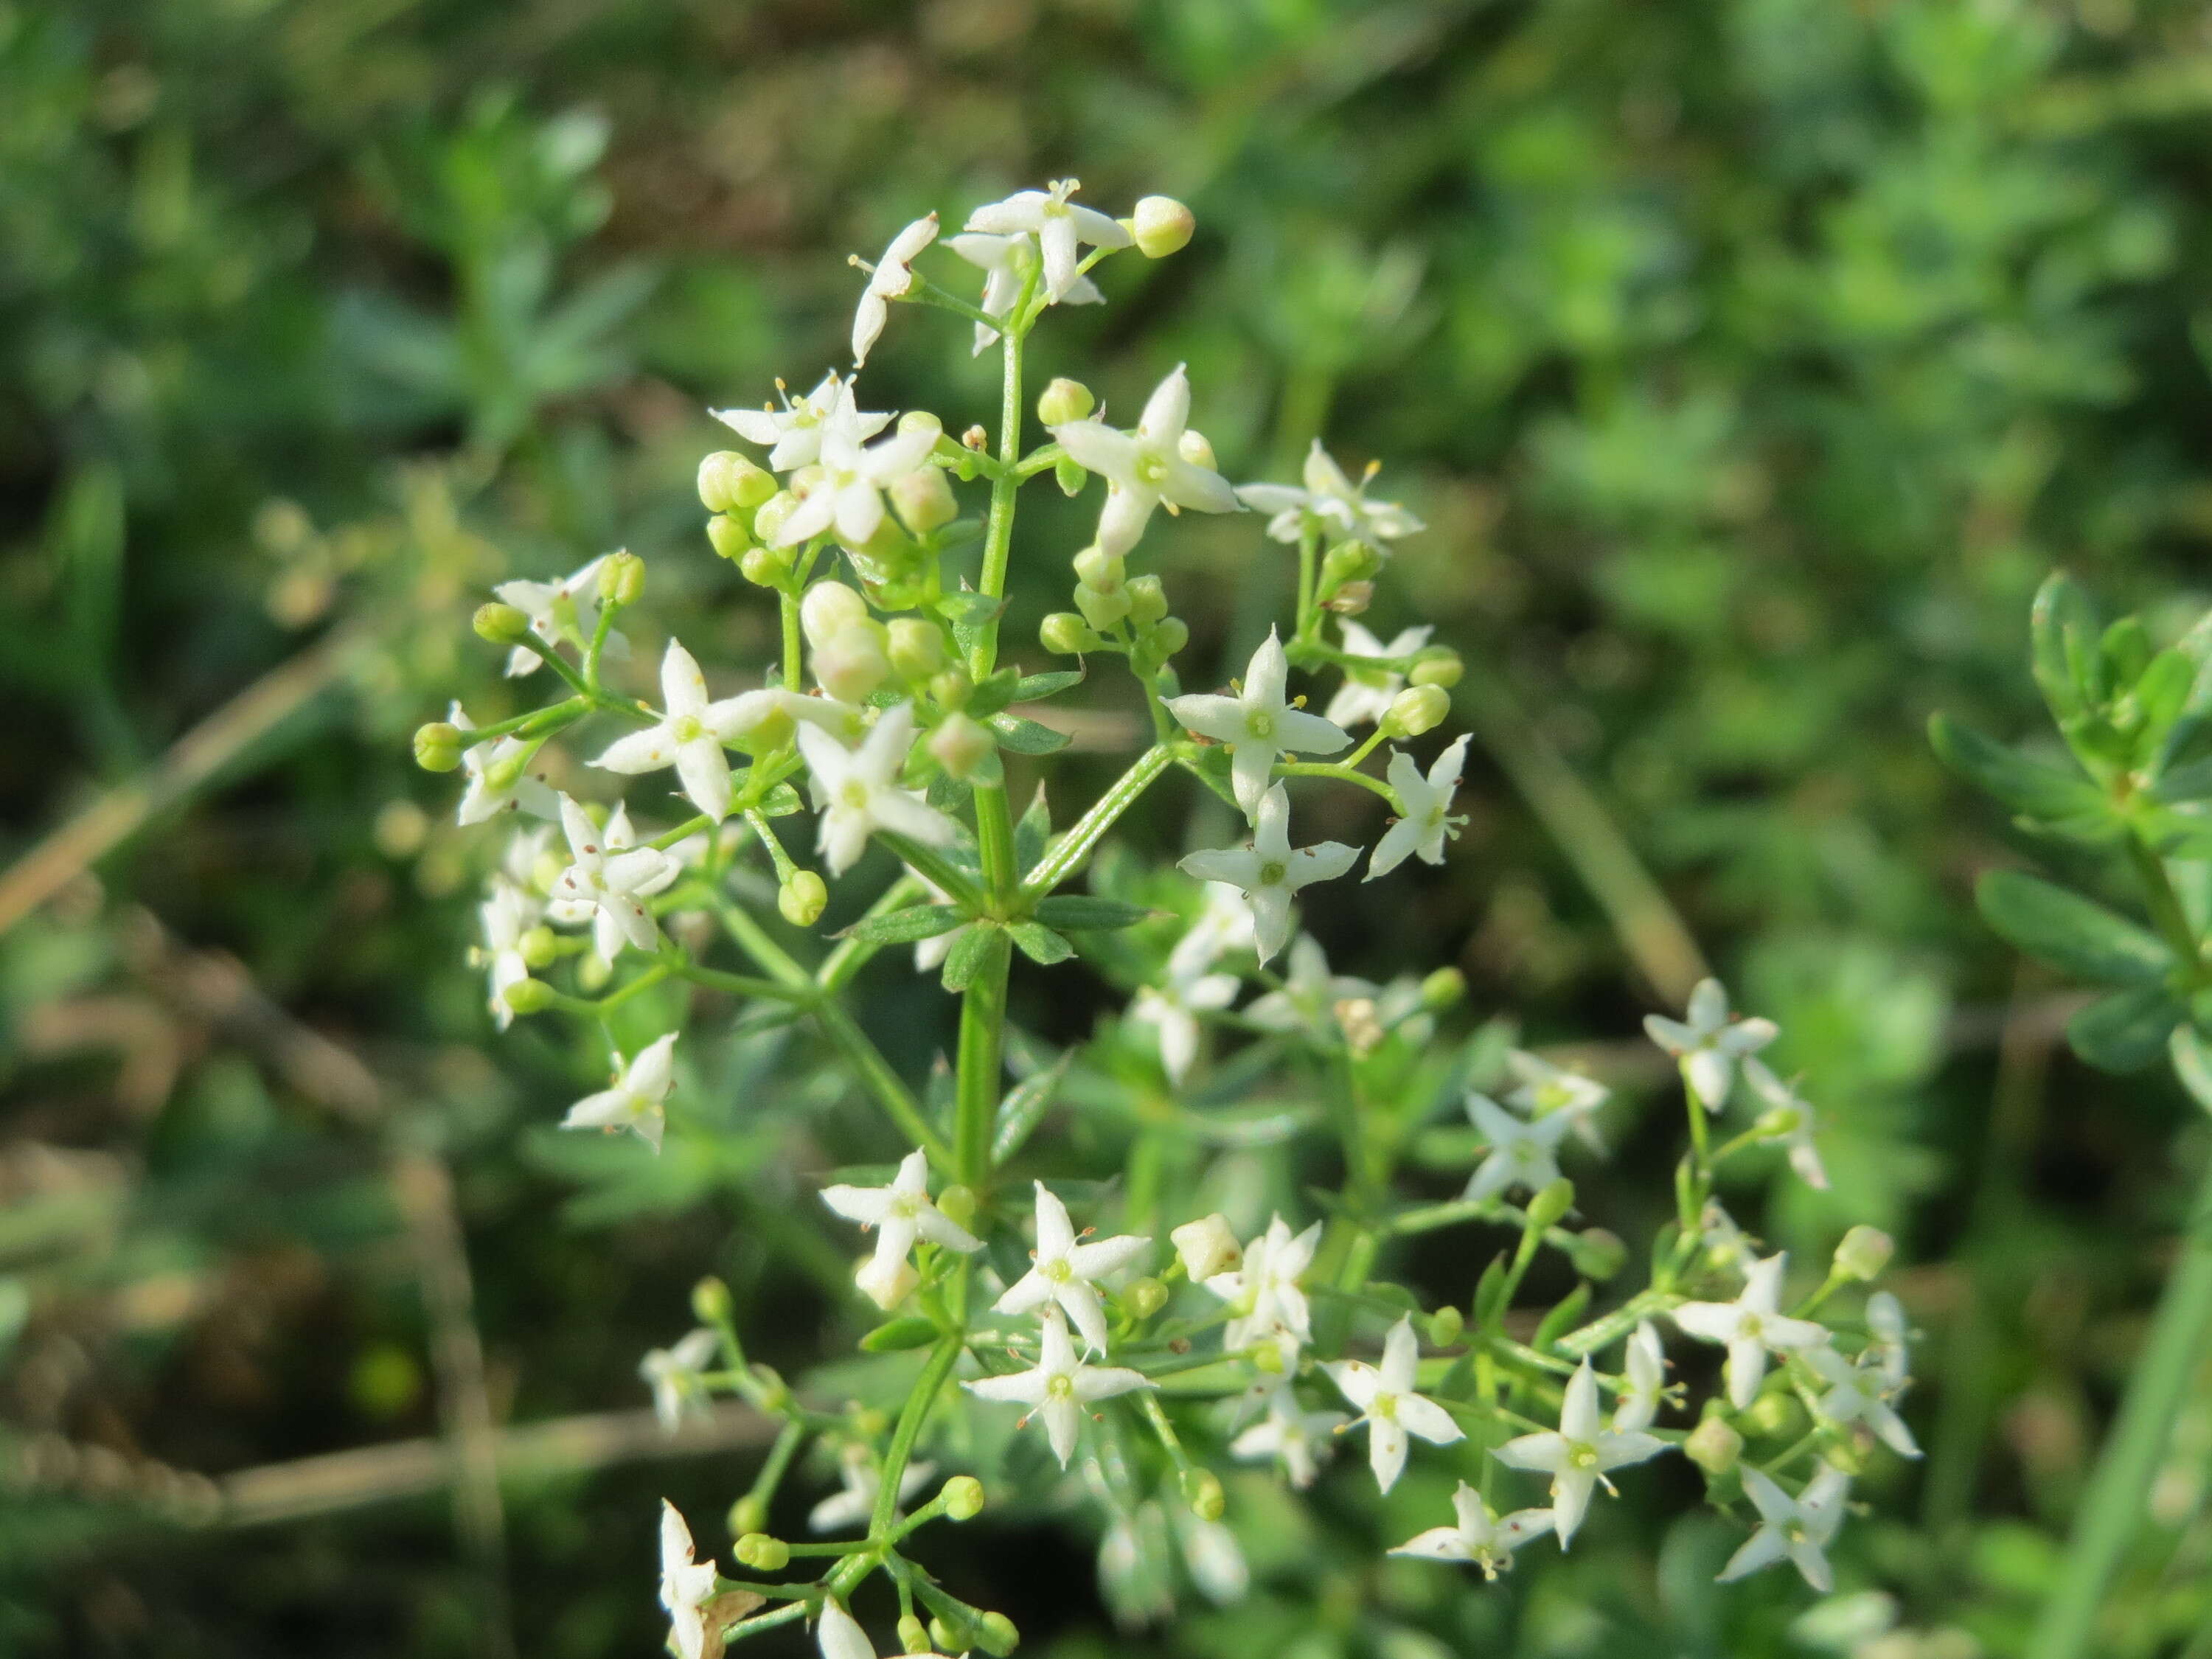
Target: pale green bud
[
  {"x": 923, "y": 499},
  {"x": 1067, "y": 635},
  {"x": 1864, "y": 1252},
  {"x": 721, "y": 476},
  {"x": 913, "y": 1634},
  {"x": 1144, "y": 1297},
  {"x": 769, "y": 518},
  {"x": 964, "y": 1497},
  {"x": 996, "y": 1635},
  {"x": 1203, "y": 1488},
  {"x": 1446, "y": 1325},
  {"x": 1417, "y": 709},
  {"x": 1267, "y": 1357},
  {"x": 1598, "y": 1254},
  {"x": 851, "y": 664},
  {"x": 1161, "y": 226},
  {"x": 921, "y": 420},
  {"x": 438, "y": 746},
  {"x": 748, "y": 1515},
  {"x": 916, "y": 647},
  {"x": 1148, "y": 601},
  {"x": 949, "y": 1638},
  {"x": 622, "y": 578},
  {"x": 1771, "y": 1414},
  {"x": 540, "y": 947},
  {"x": 1101, "y": 610},
  {"x": 1168, "y": 635},
  {"x": 828, "y": 609},
  {"x": 528, "y": 996},
  {"x": 501, "y": 624},
  {"x": 800, "y": 900},
  {"x": 1194, "y": 448},
  {"x": 763, "y": 1553},
  {"x": 1207, "y": 1247},
  {"x": 962, "y": 746},
  {"x": 957, "y": 1204},
  {"x": 1713, "y": 1446},
  {"x": 1349, "y": 562},
  {"x": 1553, "y": 1202},
  {"x": 765, "y": 567},
  {"x": 1064, "y": 400},
  {"x": 950, "y": 688},
  {"x": 1437, "y": 665},
  {"x": 1442, "y": 990},
  {"x": 1096, "y": 569},
  {"x": 729, "y": 537},
  {"x": 710, "y": 1305}
]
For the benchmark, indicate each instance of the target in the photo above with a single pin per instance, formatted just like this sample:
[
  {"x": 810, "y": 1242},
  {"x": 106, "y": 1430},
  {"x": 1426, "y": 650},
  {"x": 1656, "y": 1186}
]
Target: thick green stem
[{"x": 981, "y": 1063}]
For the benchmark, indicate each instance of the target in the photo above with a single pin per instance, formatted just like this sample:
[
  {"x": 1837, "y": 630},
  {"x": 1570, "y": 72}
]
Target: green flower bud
[
  {"x": 622, "y": 578},
  {"x": 1207, "y": 1247},
  {"x": 1417, "y": 709},
  {"x": 1713, "y": 1446},
  {"x": 1168, "y": 635},
  {"x": 1161, "y": 226},
  {"x": 964, "y": 1497},
  {"x": 765, "y": 567},
  {"x": 851, "y": 664},
  {"x": 1064, "y": 400},
  {"x": 1851, "y": 1455},
  {"x": 962, "y": 746},
  {"x": 801, "y": 898},
  {"x": 921, "y": 420},
  {"x": 501, "y": 624},
  {"x": 923, "y": 499},
  {"x": 1148, "y": 601},
  {"x": 528, "y": 996},
  {"x": 1203, "y": 1488},
  {"x": 718, "y": 475},
  {"x": 1067, "y": 635},
  {"x": 729, "y": 537},
  {"x": 1102, "y": 611},
  {"x": 1864, "y": 1252},
  {"x": 869, "y": 1422},
  {"x": 1142, "y": 1297},
  {"x": 996, "y": 1635},
  {"x": 828, "y": 609},
  {"x": 769, "y": 518},
  {"x": 710, "y": 1304},
  {"x": 1437, "y": 665},
  {"x": 1771, "y": 1415},
  {"x": 763, "y": 1553},
  {"x": 1548, "y": 1206},
  {"x": 1193, "y": 447},
  {"x": 1267, "y": 1357},
  {"x": 950, "y": 1637},
  {"x": 957, "y": 1204},
  {"x": 540, "y": 947},
  {"x": 438, "y": 746},
  {"x": 916, "y": 647},
  {"x": 1446, "y": 1325},
  {"x": 950, "y": 688},
  {"x": 748, "y": 1515},
  {"x": 1598, "y": 1254},
  {"x": 913, "y": 1634},
  {"x": 1349, "y": 562},
  {"x": 1095, "y": 567},
  {"x": 1442, "y": 990}
]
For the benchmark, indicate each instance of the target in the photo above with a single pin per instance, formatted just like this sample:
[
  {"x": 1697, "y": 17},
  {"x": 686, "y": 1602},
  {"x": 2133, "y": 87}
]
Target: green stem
[
  {"x": 1341, "y": 773},
  {"x": 981, "y": 1065},
  {"x": 999, "y": 531},
  {"x": 1067, "y": 854}
]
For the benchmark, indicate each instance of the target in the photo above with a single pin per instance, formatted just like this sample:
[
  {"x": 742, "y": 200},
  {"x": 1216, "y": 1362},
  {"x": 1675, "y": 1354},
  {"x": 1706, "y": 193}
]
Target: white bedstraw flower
[
  {"x": 1546, "y": 1090},
  {"x": 1172, "y": 1008},
  {"x": 690, "y": 733},
  {"x": 1364, "y": 697},
  {"x": 891, "y": 279},
  {"x": 567, "y": 610},
  {"x": 1646, "y": 1386},
  {"x": 1224, "y": 924},
  {"x": 1258, "y": 724},
  {"x": 482, "y": 798},
  {"x": 1388, "y": 1405},
  {"x": 1481, "y": 1535},
  {"x": 1058, "y": 1386},
  {"x": 1291, "y": 1435},
  {"x": 849, "y": 494},
  {"x": 857, "y": 790},
  {"x": 792, "y": 435},
  {"x": 862, "y": 1481},
  {"x": 1269, "y": 870},
  {"x": 686, "y": 1586},
  {"x": 1780, "y": 1097},
  {"x": 672, "y": 1373},
  {"x": 900, "y": 1214},
  {"x": 1428, "y": 821},
  {"x": 633, "y": 1101},
  {"x": 1058, "y": 225},
  {"x": 839, "y": 1636},
  {"x": 1857, "y": 1395},
  {"x": 506, "y": 915},
  {"x": 1523, "y": 1153},
  {"x": 1889, "y": 1353},
  {"x": 1068, "y": 1273},
  {"x": 1147, "y": 467},
  {"x": 1340, "y": 507},
  {"x": 608, "y": 881},
  {"x": 1800, "y": 1528},
  {"x": 1580, "y": 1454},
  {"x": 1708, "y": 1043},
  {"x": 1309, "y": 995},
  {"x": 1264, "y": 1290},
  {"x": 1004, "y": 262},
  {"x": 1207, "y": 1247},
  {"x": 1752, "y": 1327}
]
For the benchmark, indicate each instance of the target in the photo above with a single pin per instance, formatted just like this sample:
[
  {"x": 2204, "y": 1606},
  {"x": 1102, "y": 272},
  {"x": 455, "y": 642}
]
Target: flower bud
[
  {"x": 950, "y": 688},
  {"x": 540, "y": 947},
  {"x": 1442, "y": 990},
  {"x": 438, "y": 746},
  {"x": 1095, "y": 567},
  {"x": 1713, "y": 1446},
  {"x": 916, "y": 647},
  {"x": 957, "y": 1204},
  {"x": 801, "y": 898},
  {"x": 1349, "y": 600},
  {"x": 710, "y": 1304},
  {"x": 1769, "y": 1415},
  {"x": 1193, "y": 447},
  {"x": 1144, "y": 1297},
  {"x": 913, "y": 1634},
  {"x": 1067, "y": 635},
  {"x": 1446, "y": 1325},
  {"x": 764, "y": 566},
  {"x": 869, "y": 1422},
  {"x": 949, "y": 1638},
  {"x": 1864, "y": 1252},
  {"x": 775, "y": 1392},
  {"x": 1167, "y": 636},
  {"x": 964, "y": 1497},
  {"x": 1267, "y": 1357},
  {"x": 1437, "y": 665},
  {"x": 996, "y": 1635},
  {"x": 1349, "y": 562},
  {"x": 828, "y": 609},
  {"x": 923, "y": 499},
  {"x": 1064, "y": 400},
  {"x": 1546, "y": 1208},
  {"x": 1148, "y": 601},
  {"x": 622, "y": 578},
  {"x": 851, "y": 665},
  {"x": 1597, "y": 1253},
  {"x": 1207, "y": 1247},
  {"x": 763, "y": 1553},
  {"x": 1203, "y": 1488},
  {"x": 769, "y": 518},
  {"x": 721, "y": 476},
  {"x": 962, "y": 746},
  {"x": 1417, "y": 709},
  {"x": 729, "y": 537},
  {"x": 501, "y": 624},
  {"x": 748, "y": 1515},
  {"x": 528, "y": 996},
  {"x": 1777, "y": 1122},
  {"x": 1851, "y": 1454},
  {"x": 921, "y": 420},
  {"x": 1161, "y": 226},
  {"x": 1101, "y": 610}
]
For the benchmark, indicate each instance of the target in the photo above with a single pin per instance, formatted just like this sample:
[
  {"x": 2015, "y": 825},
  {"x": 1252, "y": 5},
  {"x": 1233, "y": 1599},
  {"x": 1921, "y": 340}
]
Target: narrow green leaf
[
  {"x": 1032, "y": 834},
  {"x": 1570, "y": 1309},
  {"x": 1035, "y": 687},
  {"x": 1024, "y": 1108},
  {"x": 2031, "y": 788},
  {"x": 2126, "y": 1031},
  {"x": 2192, "y": 1064},
  {"x": 2072, "y": 933},
  {"x": 1078, "y": 912},
  {"x": 1490, "y": 1293},
  {"x": 970, "y": 952},
  {"x": 906, "y": 926},
  {"x": 993, "y": 694},
  {"x": 2060, "y": 629},
  {"x": 1026, "y": 737},
  {"x": 897, "y": 1335},
  {"x": 1039, "y": 943}
]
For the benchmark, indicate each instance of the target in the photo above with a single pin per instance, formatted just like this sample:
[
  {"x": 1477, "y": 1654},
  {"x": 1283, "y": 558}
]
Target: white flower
[
  {"x": 1546, "y": 1089},
  {"x": 1058, "y": 225},
  {"x": 1006, "y": 261},
  {"x": 1172, "y": 1011},
  {"x": 1752, "y": 1327},
  {"x": 1780, "y": 1097},
  {"x": 1211, "y": 1553},
  {"x": 1291, "y": 1435},
  {"x": 1857, "y": 1395},
  {"x": 1334, "y": 501},
  {"x": 1708, "y": 1044},
  {"x": 1580, "y": 1454},
  {"x": 686, "y": 1587},
  {"x": 1890, "y": 1354},
  {"x": 793, "y": 434},
  {"x": 1058, "y": 1386},
  {"x": 1309, "y": 995},
  {"x": 1068, "y": 1273},
  {"x": 1258, "y": 724},
  {"x": 690, "y": 733},
  {"x": 849, "y": 494},
  {"x": 1481, "y": 1534},
  {"x": 506, "y": 915},
  {"x": 1264, "y": 1290},
  {"x": 1523, "y": 1153},
  {"x": 1798, "y": 1527},
  {"x": 672, "y": 1373},
  {"x": 863, "y": 1481},
  {"x": 857, "y": 790},
  {"x": 1642, "y": 1394},
  {"x": 1365, "y": 694},
  {"x": 1146, "y": 467},
  {"x": 1269, "y": 870},
  {"x": 566, "y": 611},
  {"x": 608, "y": 881},
  {"x": 891, "y": 279},
  {"x": 635, "y": 1099},
  {"x": 1388, "y": 1405},
  {"x": 481, "y": 798},
  {"x": 1224, "y": 924},
  {"x": 900, "y": 1212},
  {"x": 1207, "y": 1247},
  {"x": 1427, "y": 823}
]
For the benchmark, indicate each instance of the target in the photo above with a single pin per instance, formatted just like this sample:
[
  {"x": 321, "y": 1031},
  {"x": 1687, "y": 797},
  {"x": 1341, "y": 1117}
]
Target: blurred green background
[{"x": 1750, "y": 360}]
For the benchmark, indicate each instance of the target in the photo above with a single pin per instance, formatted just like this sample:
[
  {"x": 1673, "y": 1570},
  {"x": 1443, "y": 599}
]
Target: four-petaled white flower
[
  {"x": 506, "y": 915},
  {"x": 1058, "y": 225},
  {"x": 1147, "y": 467},
  {"x": 1340, "y": 507},
  {"x": 1067, "y": 1273},
  {"x": 792, "y": 435},
  {"x": 690, "y": 733},
  {"x": 673, "y": 1374},
  {"x": 1800, "y": 1528},
  {"x": 608, "y": 881},
  {"x": 686, "y": 1586},
  {"x": 1545, "y": 1090},
  {"x": 1858, "y": 1393},
  {"x": 1258, "y": 724},
  {"x": 1058, "y": 1386},
  {"x": 857, "y": 790},
  {"x": 1780, "y": 1097},
  {"x": 1580, "y": 1454},
  {"x": 862, "y": 1481},
  {"x": 1291, "y": 1434},
  {"x": 1425, "y": 802},
  {"x": 496, "y": 784},
  {"x": 1309, "y": 995},
  {"x": 1708, "y": 1043},
  {"x": 1752, "y": 1326},
  {"x": 891, "y": 279},
  {"x": 1171, "y": 1009},
  {"x": 1264, "y": 1290},
  {"x": 1384, "y": 1397},
  {"x": 839, "y": 1636},
  {"x": 635, "y": 1099},
  {"x": 900, "y": 1212},
  {"x": 1365, "y": 694},
  {"x": 1523, "y": 1152},
  {"x": 847, "y": 494},
  {"x": 1481, "y": 1535},
  {"x": 564, "y": 611},
  {"x": 1005, "y": 262},
  {"x": 1645, "y": 1388},
  {"x": 1269, "y": 870},
  {"x": 1224, "y": 924}
]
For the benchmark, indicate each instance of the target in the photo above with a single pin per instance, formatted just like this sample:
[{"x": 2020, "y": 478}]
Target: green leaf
[
  {"x": 993, "y": 693},
  {"x": 1490, "y": 1293},
  {"x": 2030, "y": 788},
  {"x": 2072, "y": 933},
  {"x": 1035, "y": 687},
  {"x": 897, "y": 1335},
  {"x": 1024, "y": 1108},
  {"x": 968, "y": 611},
  {"x": 2192, "y": 1064},
  {"x": 1032, "y": 834},
  {"x": 906, "y": 926},
  {"x": 1562, "y": 1317},
  {"x": 1026, "y": 737},
  {"x": 1079, "y": 912},
  {"x": 970, "y": 953},
  {"x": 2060, "y": 631},
  {"x": 2126, "y": 1031},
  {"x": 1039, "y": 943}
]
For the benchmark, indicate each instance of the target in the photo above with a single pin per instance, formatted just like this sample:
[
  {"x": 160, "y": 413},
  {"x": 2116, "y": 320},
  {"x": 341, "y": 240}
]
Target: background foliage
[{"x": 1752, "y": 363}]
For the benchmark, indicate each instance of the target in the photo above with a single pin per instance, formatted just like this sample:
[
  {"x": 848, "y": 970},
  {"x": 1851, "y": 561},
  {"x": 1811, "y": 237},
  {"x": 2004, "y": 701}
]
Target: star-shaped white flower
[
  {"x": 690, "y": 733},
  {"x": 900, "y": 1214},
  {"x": 1800, "y": 1528},
  {"x": 1858, "y": 1393},
  {"x": 1309, "y": 995},
  {"x": 1481, "y": 1535},
  {"x": 674, "y": 1373},
  {"x": 1224, "y": 925},
  {"x": 686, "y": 1586},
  {"x": 891, "y": 279},
  {"x": 1384, "y": 1396},
  {"x": 1058, "y": 1386},
  {"x": 1546, "y": 1088},
  {"x": 1147, "y": 467},
  {"x": 1364, "y": 697},
  {"x": 1005, "y": 262},
  {"x": 483, "y": 799},
  {"x": 1780, "y": 1097},
  {"x": 862, "y": 1480},
  {"x": 1058, "y": 225},
  {"x": 1291, "y": 1435},
  {"x": 1708, "y": 1043},
  {"x": 792, "y": 435},
  {"x": 1264, "y": 1290},
  {"x": 1258, "y": 724},
  {"x": 1752, "y": 1327},
  {"x": 1523, "y": 1152},
  {"x": 1067, "y": 1273},
  {"x": 1171, "y": 1009},
  {"x": 1427, "y": 821},
  {"x": 635, "y": 1099},
  {"x": 1335, "y": 503},
  {"x": 565, "y": 611},
  {"x": 839, "y": 1636},
  {"x": 1580, "y": 1454},
  {"x": 848, "y": 495},
  {"x": 1645, "y": 1388},
  {"x": 1269, "y": 871},
  {"x": 608, "y": 881},
  {"x": 857, "y": 790},
  {"x": 506, "y": 915}
]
